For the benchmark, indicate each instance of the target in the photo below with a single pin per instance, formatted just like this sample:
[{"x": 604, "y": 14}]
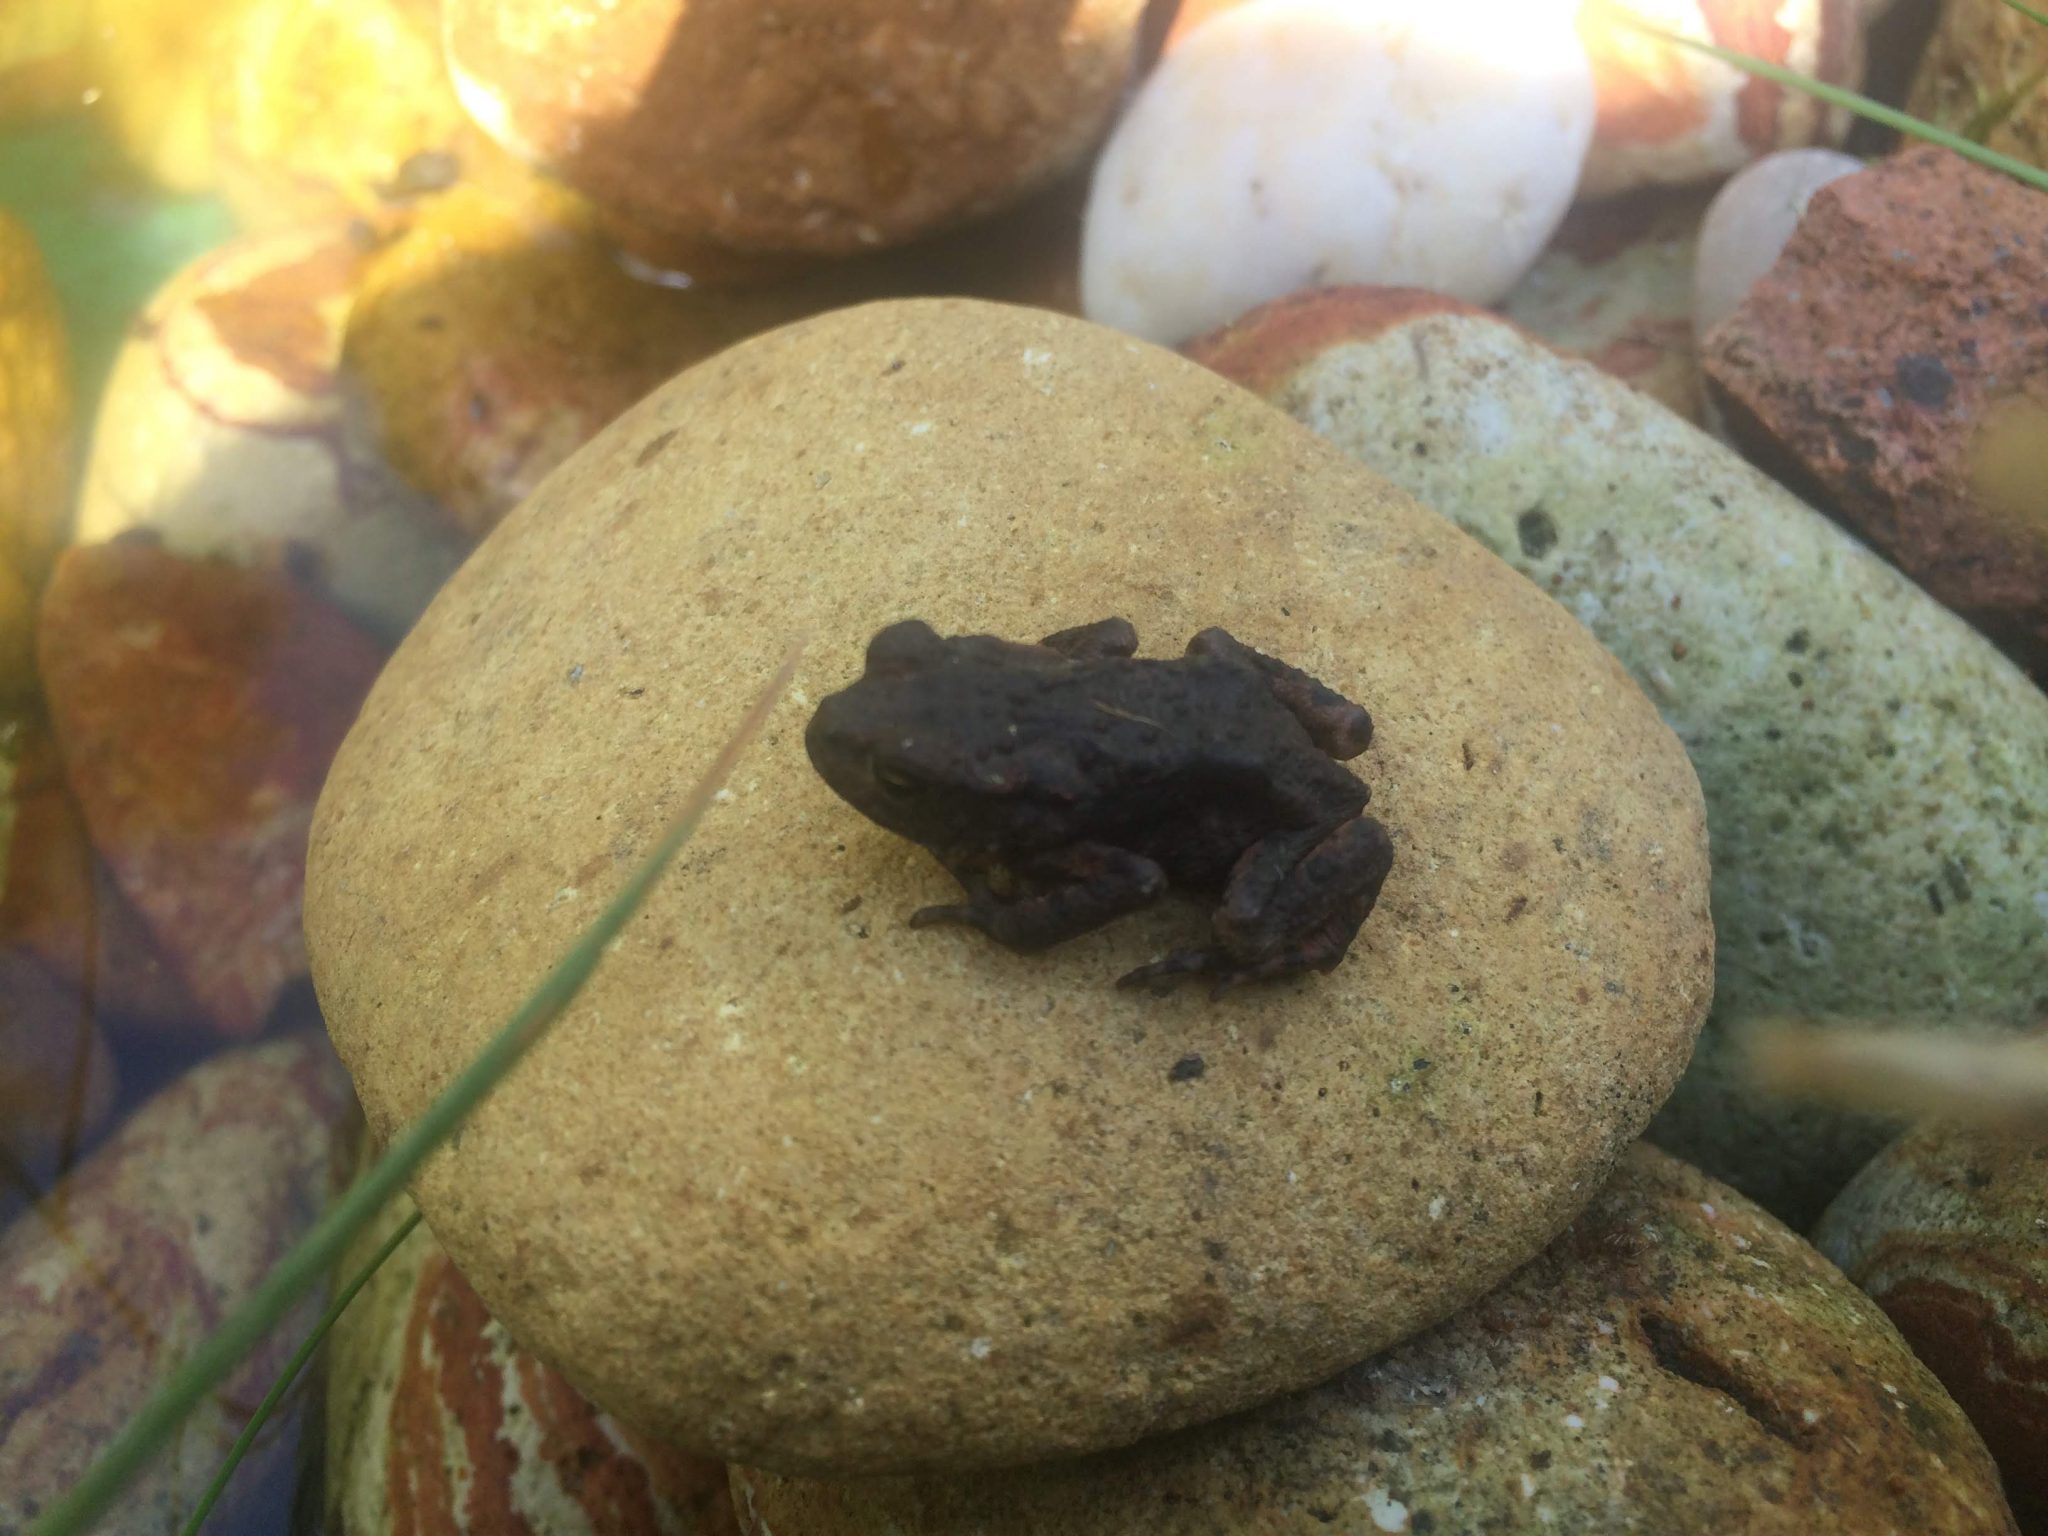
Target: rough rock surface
[
  {"x": 1677, "y": 1362},
  {"x": 1947, "y": 1229},
  {"x": 797, "y": 1181},
  {"x": 1873, "y": 769},
  {"x": 1893, "y": 366}
]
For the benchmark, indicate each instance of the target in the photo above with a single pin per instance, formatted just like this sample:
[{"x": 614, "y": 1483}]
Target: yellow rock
[
  {"x": 156, "y": 64},
  {"x": 42, "y": 56},
  {"x": 1985, "y": 74},
  {"x": 35, "y": 442},
  {"x": 337, "y": 107},
  {"x": 795, "y": 1184}
]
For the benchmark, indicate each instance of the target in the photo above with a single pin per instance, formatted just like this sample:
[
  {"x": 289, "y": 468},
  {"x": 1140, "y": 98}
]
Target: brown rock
[
  {"x": 1677, "y": 1362},
  {"x": 822, "y": 127},
  {"x": 1985, "y": 75},
  {"x": 1893, "y": 367},
  {"x": 797, "y": 1180},
  {"x": 1947, "y": 1229},
  {"x": 438, "y": 1422},
  {"x": 110, "y": 1285},
  {"x": 197, "y": 705}
]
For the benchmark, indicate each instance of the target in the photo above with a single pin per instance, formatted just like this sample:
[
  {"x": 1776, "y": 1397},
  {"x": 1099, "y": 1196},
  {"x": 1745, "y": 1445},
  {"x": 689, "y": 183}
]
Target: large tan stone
[
  {"x": 1678, "y": 1362},
  {"x": 794, "y": 1183}
]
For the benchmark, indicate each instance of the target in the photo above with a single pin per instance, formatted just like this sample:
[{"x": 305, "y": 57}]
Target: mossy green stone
[{"x": 1876, "y": 773}]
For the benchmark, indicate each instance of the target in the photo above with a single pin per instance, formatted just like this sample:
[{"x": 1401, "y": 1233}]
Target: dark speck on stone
[
  {"x": 1537, "y": 532},
  {"x": 1798, "y": 642},
  {"x": 1925, "y": 380},
  {"x": 1188, "y": 1068}
]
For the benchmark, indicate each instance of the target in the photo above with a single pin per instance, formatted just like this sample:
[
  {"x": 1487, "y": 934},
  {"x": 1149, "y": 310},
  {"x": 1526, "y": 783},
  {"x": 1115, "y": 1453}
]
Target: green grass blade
[
  {"x": 1863, "y": 106},
  {"x": 1991, "y": 116},
  {"x": 290, "y": 1374},
  {"x": 2040, "y": 18},
  {"x": 315, "y": 1253}
]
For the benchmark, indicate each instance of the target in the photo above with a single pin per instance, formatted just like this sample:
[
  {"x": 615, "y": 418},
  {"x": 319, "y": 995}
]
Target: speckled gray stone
[
  {"x": 1876, "y": 773},
  {"x": 1677, "y": 1364}
]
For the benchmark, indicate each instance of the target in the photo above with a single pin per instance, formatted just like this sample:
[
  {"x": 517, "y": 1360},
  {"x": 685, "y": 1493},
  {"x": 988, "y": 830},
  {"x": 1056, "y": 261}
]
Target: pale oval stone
[
  {"x": 1678, "y": 1362},
  {"x": 794, "y": 1181},
  {"x": 1873, "y": 768},
  {"x": 1299, "y": 142},
  {"x": 221, "y": 432},
  {"x": 1749, "y": 222}
]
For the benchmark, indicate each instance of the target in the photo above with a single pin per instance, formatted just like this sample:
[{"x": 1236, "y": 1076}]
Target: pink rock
[
  {"x": 117, "y": 1279},
  {"x": 1893, "y": 368},
  {"x": 198, "y": 705}
]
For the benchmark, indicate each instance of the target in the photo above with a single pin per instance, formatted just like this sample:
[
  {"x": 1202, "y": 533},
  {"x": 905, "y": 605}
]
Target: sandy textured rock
[
  {"x": 1873, "y": 769},
  {"x": 796, "y": 1181},
  {"x": 826, "y": 127},
  {"x": 1615, "y": 286},
  {"x": 162, "y": 1231},
  {"x": 1985, "y": 73},
  {"x": 1671, "y": 116},
  {"x": 1893, "y": 366},
  {"x": 1947, "y": 1229},
  {"x": 1677, "y": 1362},
  {"x": 438, "y": 1422}
]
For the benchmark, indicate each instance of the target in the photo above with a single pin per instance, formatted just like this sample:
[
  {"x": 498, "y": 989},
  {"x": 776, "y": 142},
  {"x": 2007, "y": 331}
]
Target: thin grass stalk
[
  {"x": 315, "y": 1254},
  {"x": 290, "y": 1374}
]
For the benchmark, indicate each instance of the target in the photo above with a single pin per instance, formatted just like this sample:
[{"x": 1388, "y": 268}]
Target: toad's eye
[{"x": 895, "y": 783}]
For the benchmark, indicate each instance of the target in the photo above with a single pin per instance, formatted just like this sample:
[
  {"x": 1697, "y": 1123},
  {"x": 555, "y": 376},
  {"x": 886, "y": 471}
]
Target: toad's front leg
[
  {"x": 1295, "y": 902},
  {"x": 1065, "y": 893}
]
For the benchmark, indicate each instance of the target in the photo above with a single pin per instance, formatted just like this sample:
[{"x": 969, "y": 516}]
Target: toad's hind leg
[
  {"x": 1068, "y": 892},
  {"x": 1294, "y": 903}
]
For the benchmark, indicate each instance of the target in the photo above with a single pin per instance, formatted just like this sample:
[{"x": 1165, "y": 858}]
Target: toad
[{"x": 1069, "y": 782}]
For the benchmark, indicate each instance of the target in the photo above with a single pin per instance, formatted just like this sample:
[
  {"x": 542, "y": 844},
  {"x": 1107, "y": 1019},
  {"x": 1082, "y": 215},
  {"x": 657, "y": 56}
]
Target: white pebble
[
  {"x": 1291, "y": 144},
  {"x": 1750, "y": 220}
]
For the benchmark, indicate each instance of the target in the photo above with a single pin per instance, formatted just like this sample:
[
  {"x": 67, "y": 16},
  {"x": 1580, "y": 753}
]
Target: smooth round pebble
[
  {"x": 1749, "y": 222},
  {"x": 1947, "y": 1229},
  {"x": 816, "y": 127},
  {"x": 795, "y": 1181},
  {"x": 1677, "y": 1362},
  {"x": 1301, "y": 143}
]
